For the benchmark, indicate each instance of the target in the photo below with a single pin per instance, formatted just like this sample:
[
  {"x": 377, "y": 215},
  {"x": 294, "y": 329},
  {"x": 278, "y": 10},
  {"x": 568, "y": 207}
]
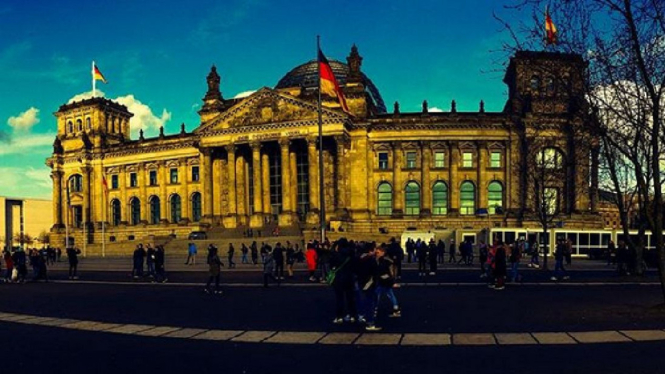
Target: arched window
[
  {"x": 135, "y": 208},
  {"x": 534, "y": 84},
  {"x": 550, "y": 158},
  {"x": 88, "y": 124},
  {"x": 79, "y": 125},
  {"x": 76, "y": 183},
  {"x": 467, "y": 198},
  {"x": 175, "y": 209},
  {"x": 412, "y": 199},
  {"x": 495, "y": 198},
  {"x": 439, "y": 199},
  {"x": 115, "y": 212},
  {"x": 385, "y": 199},
  {"x": 70, "y": 127},
  {"x": 155, "y": 212},
  {"x": 196, "y": 206}
]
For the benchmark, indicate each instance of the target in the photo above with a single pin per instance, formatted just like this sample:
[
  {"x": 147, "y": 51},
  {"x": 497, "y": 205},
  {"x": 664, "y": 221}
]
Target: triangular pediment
[{"x": 267, "y": 106}]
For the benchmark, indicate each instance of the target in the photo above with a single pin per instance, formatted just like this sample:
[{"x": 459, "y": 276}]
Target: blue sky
[{"x": 156, "y": 54}]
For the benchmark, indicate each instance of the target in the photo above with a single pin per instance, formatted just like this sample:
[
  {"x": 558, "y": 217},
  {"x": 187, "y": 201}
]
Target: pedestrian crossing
[{"x": 337, "y": 338}]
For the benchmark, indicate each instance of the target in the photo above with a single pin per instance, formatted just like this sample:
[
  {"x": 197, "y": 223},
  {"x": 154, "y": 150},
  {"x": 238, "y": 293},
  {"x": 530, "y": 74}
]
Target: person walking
[
  {"x": 515, "y": 258},
  {"x": 255, "y": 253},
  {"x": 611, "y": 253},
  {"x": 440, "y": 251},
  {"x": 452, "y": 257},
  {"x": 72, "y": 258},
  {"x": 230, "y": 255},
  {"x": 137, "y": 258},
  {"x": 535, "y": 254},
  {"x": 342, "y": 263},
  {"x": 385, "y": 279},
  {"x": 150, "y": 261},
  {"x": 160, "y": 271},
  {"x": 559, "y": 257},
  {"x": 500, "y": 266},
  {"x": 290, "y": 258},
  {"x": 191, "y": 254},
  {"x": 214, "y": 270},
  {"x": 365, "y": 275},
  {"x": 312, "y": 259},
  {"x": 278, "y": 257},
  {"x": 269, "y": 268},
  {"x": 482, "y": 257},
  {"x": 421, "y": 255},
  {"x": 396, "y": 253},
  {"x": 244, "y": 250},
  {"x": 432, "y": 256},
  {"x": 9, "y": 265}
]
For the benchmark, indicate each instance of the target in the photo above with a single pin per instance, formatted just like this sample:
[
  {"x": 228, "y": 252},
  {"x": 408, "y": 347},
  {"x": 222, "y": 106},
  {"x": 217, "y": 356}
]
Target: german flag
[
  {"x": 105, "y": 185},
  {"x": 550, "y": 29},
  {"x": 97, "y": 75},
  {"x": 329, "y": 85}
]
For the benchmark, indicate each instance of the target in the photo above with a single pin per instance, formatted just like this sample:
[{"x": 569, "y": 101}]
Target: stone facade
[{"x": 253, "y": 162}]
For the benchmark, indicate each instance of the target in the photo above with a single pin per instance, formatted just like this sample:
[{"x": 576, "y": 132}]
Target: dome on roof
[{"x": 306, "y": 76}]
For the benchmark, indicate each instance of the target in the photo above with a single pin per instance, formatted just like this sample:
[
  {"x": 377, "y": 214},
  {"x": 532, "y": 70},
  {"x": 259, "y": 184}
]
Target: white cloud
[
  {"x": 144, "y": 118},
  {"x": 244, "y": 94},
  {"x": 25, "y": 120},
  {"x": 25, "y": 142},
  {"x": 35, "y": 183},
  {"x": 434, "y": 110}
]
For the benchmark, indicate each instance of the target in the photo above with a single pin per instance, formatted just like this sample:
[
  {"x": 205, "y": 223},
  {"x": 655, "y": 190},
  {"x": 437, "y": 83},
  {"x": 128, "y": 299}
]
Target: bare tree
[{"x": 623, "y": 44}]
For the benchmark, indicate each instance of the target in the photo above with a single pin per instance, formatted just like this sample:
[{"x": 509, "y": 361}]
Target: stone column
[
  {"x": 265, "y": 183},
  {"x": 56, "y": 175},
  {"x": 184, "y": 190},
  {"x": 398, "y": 191},
  {"x": 143, "y": 182},
  {"x": 241, "y": 186},
  {"x": 293, "y": 186},
  {"x": 257, "y": 178},
  {"x": 425, "y": 182},
  {"x": 340, "y": 185},
  {"x": 164, "y": 213},
  {"x": 313, "y": 166},
  {"x": 482, "y": 175},
  {"x": 125, "y": 212},
  {"x": 285, "y": 218},
  {"x": 453, "y": 178},
  {"x": 230, "y": 221},
  {"x": 206, "y": 179}
]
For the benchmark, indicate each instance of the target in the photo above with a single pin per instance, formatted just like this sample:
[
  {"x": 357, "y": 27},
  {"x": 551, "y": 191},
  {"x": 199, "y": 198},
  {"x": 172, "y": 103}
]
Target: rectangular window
[
  {"x": 411, "y": 160},
  {"x": 467, "y": 160},
  {"x": 495, "y": 159},
  {"x": 114, "y": 181},
  {"x": 439, "y": 159},
  {"x": 383, "y": 160},
  {"x": 153, "y": 177},
  {"x": 133, "y": 180},
  {"x": 174, "y": 175},
  {"x": 195, "y": 174}
]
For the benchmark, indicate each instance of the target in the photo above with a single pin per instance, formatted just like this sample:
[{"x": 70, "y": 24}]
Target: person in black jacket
[
  {"x": 139, "y": 255},
  {"x": 342, "y": 261},
  {"x": 159, "y": 265},
  {"x": 72, "y": 257},
  {"x": 421, "y": 254},
  {"x": 385, "y": 280},
  {"x": 500, "y": 266},
  {"x": 432, "y": 254},
  {"x": 396, "y": 253},
  {"x": 278, "y": 256},
  {"x": 365, "y": 274},
  {"x": 452, "y": 258}
]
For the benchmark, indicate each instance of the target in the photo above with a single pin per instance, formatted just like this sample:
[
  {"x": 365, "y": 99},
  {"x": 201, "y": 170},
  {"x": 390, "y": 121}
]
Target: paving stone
[
  {"x": 553, "y": 338},
  {"x": 6, "y": 315},
  {"x": 426, "y": 339},
  {"x": 253, "y": 336},
  {"x": 339, "y": 338},
  {"x": 16, "y": 318},
  {"x": 291, "y": 337},
  {"x": 379, "y": 339},
  {"x": 130, "y": 329},
  {"x": 58, "y": 322},
  {"x": 158, "y": 331},
  {"x": 185, "y": 333},
  {"x": 473, "y": 339},
  {"x": 599, "y": 337},
  {"x": 515, "y": 338},
  {"x": 36, "y": 320},
  {"x": 90, "y": 325},
  {"x": 644, "y": 335},
  {"x": 218, "y": 335}
]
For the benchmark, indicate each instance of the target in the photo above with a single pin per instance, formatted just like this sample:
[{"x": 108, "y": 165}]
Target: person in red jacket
[{"x": 312, "y": 259}]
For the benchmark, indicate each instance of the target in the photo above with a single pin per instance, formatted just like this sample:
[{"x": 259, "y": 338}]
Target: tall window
[
  {"x": 155, "y": 210},
  {"x": 384, "y": 199},
  {"x": 550, "y": 158},
  {"x": 135, "y": 207},
  {"x": 196, "y": 206},
  {"x": 79, "y": 125},
  {"x": 153, "y": 177},
  {"x": 195, "y": 174},
  {"x": 77, "y": 213},
  {"x": 174, "y": 175},
  {"x": 467, "y": 198},
  {"x": 176, "y": 214},
  {"x": 114, "y": 181},
  {"x": 495, "y": 197},
  {"x": 467, "y": 159},
  {"x": 383, "y": 160},
  {"x": 411, "y": 160},
  {"x": 76, "y": 183},
  {"x": 88, "y": 125},
  {"x": 439, "y": 159},
  {"x": 412, "y": 199},
  {"x": 551, "y": 200},
  {"x": 440, "y": 199},
  {"x": 70, "y": 127},
  {"x": 133, "y": 180},
  {"x": 495, "y": 159},
  {"x": 115, "y": 212},
  {"x": 302, "y": 176},
  {"x": 275, "y": 184}
]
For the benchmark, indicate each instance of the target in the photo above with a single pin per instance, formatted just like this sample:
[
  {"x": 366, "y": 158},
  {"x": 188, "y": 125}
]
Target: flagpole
[
  {"x": 94, "y": 86},
  {"x": 322, "y": 197}
]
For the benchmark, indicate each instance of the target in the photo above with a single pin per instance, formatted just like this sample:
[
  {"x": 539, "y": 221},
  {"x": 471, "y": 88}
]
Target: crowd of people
[
  {"x": 152, "y": 261},
  {"x": 17, "y": 261}
]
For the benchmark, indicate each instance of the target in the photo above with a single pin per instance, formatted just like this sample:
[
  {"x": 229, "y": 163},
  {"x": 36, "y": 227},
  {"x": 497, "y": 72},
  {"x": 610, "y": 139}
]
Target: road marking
[
  {"x": 515, "y": 338},
  {"x": 599, "y": 337},
  {"x": 337, "y": 338},
  {"x": 426, "y": 339},
  {"x": 379, "y": 339}
]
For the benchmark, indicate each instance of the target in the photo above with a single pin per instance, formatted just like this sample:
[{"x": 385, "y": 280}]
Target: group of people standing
[{"x": 151, "y": 259}]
